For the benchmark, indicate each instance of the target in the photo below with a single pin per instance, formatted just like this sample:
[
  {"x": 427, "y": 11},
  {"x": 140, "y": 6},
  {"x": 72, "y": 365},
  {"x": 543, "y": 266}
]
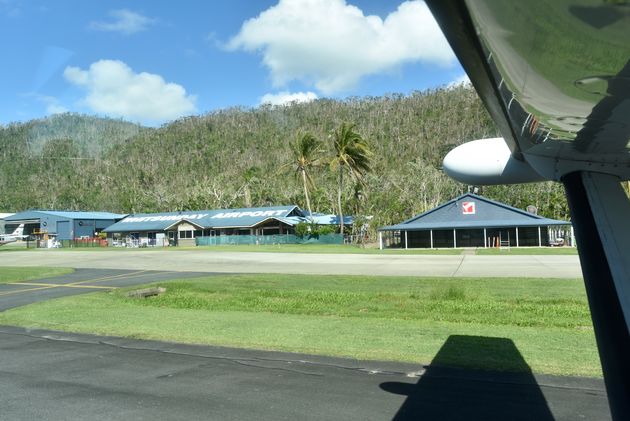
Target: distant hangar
[
  {"x": 63, "y": 225},
  {"x": 475, "y": 221}
]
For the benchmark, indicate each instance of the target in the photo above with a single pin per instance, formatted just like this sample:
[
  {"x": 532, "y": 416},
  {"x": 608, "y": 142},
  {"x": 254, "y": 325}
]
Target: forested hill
[
  {"x": 91, "y": 134},
  {"x": 236, "y": 157}
]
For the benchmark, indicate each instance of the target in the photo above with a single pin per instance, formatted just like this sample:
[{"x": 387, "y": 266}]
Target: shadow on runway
[{"x": 444, "y": 393}]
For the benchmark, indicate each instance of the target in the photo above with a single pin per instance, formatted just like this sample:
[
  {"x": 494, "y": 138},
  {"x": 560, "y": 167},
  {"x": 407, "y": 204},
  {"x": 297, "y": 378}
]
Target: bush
[{"x": 302, "y": 229}]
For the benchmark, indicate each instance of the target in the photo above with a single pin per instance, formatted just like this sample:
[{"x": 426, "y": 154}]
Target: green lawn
[
  {"x": 278, "y": 248},
  {"x": 318, "y": 248},
  {"x": 383, "y": 318},
  {"x": 528, "y": 251},
  {"x": 15, "y": 274},
  {"x": 333, "y": 249}
]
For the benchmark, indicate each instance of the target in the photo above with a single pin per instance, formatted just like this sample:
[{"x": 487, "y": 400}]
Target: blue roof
[
  {"x": 472, "y": 211},
  {"x": 223, "y": 218},
  {"x": 324, "y": 219},
  {"x": 37, "y": 214}
]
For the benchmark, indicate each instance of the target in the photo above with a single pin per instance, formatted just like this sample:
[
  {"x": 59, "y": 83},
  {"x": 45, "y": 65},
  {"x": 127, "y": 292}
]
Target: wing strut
[{"x": 600, "y": 211}]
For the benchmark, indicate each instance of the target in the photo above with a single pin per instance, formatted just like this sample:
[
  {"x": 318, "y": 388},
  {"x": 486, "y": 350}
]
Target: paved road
[
  {"x": 349, "y": 264},
  {"x": 81, "y": 281},
  {"x": 57, "y": 376}
]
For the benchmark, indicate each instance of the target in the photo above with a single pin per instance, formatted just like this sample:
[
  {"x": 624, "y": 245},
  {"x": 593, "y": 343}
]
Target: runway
[{"x": 558, "y": 266}]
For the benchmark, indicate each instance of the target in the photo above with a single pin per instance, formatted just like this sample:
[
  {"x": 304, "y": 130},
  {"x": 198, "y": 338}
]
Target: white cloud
[
  {"x": 333, "y": 44},
  {"x": 53, "y": 105},
  {"x": 286, "y": 98},
  {"x": 124, "y": 21},
  {"x": 462, "y": 80},
  {"x": 115, "y": 90}
]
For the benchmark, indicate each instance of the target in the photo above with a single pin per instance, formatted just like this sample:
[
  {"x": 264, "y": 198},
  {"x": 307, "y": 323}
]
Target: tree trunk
[
  {"x": 339, "y": 199},
  {"x": 308, "y": 200}
]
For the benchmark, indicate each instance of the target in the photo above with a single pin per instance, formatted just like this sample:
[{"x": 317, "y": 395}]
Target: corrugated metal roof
[
  {"x": 323, "y": 219},
  {"x": 210, "y": 219},
  {"x": 471, "y": 210},
  {"x": 36, "y": 214}
]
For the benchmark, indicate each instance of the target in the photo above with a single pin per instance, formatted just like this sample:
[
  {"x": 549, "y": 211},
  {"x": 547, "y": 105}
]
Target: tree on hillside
[
  {"x": 306, "y": 155},
  {"x": 352, "y": 154}
]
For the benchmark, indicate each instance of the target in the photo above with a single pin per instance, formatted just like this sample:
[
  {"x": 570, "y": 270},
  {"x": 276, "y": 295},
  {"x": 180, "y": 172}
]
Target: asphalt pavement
[
  {"x": 80, "y": 281},
  {"x": 204, "y": 260},
  {"x": 59, "y": 376}
]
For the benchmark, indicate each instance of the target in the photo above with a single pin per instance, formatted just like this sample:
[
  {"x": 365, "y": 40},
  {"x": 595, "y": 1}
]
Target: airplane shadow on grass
[{"x": 445, "y": 393}]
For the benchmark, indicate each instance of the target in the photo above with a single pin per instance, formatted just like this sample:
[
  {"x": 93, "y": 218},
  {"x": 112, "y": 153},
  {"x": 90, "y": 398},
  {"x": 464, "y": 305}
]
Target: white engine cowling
[{"x": 487, "y": 162}]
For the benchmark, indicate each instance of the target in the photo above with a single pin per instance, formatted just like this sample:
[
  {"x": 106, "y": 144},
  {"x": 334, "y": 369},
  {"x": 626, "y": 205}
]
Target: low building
[
  {"x": 475, "y": 221},
  {"x": 63, "y": 225},
  {"x": 182, "y": 228},
  {"x": 4, "y": 227}
]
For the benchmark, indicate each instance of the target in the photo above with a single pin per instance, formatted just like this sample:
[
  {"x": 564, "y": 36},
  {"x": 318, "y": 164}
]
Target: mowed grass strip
[
  {"x": 17, "y": 274},
  {"x": 319, "y": 249},
  {"x": 401, "y": 319},
  {"x": 547, "y": 251}
]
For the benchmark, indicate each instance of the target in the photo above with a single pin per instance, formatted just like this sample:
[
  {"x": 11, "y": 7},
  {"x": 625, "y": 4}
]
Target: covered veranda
[
  {"x": 487, "y": 236},
  {"x": 476, "y": 221}
]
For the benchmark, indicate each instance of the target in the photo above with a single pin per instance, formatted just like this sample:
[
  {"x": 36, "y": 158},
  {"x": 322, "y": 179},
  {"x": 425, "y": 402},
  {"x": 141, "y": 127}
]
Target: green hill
[{"x": 233, "y": 157}]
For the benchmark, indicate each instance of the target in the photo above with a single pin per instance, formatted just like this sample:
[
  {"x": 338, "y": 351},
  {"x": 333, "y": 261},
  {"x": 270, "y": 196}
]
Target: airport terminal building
[
  {"x": 475, "y": 221},
  {"x": 182, "y": 228}
]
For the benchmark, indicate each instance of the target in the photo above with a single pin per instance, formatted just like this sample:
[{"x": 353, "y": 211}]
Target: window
[{"x": 185, "y": 234}]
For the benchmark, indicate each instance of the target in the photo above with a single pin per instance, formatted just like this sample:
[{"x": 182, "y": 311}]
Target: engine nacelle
[{"x": 487, "y": 162}]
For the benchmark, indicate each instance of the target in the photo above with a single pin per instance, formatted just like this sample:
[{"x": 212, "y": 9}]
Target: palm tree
[
  {"x": 306, "y": 151},
  {"x": 352, "y": 154}
]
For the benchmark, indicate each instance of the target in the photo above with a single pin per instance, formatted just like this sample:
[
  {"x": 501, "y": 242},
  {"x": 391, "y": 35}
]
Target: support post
[
  {"x": 539, "y": 238},
  {"x": 599, "y": 209},
  {"x": 380, "y": 240},
  {"x": 431, "y": 231},
  {"x": 485, "y": 239},
  {"x": 516, "y": 236},
  {"x": 572, "y": 237},
  {"x": 454, "y": 239},
  {"x": 406, "y": 241}
]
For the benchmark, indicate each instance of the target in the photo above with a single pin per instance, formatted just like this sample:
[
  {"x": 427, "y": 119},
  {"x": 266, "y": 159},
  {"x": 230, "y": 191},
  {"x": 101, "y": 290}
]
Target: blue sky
[{"x": 155, "y": 61}]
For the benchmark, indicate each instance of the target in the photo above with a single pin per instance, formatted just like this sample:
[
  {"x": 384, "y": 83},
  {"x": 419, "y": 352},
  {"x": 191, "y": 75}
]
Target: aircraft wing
[{"x": 555, "y": 77}]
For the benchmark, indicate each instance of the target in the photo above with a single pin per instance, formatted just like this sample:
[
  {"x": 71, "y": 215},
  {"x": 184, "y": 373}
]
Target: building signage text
[
  {"x": 249, "y": 213},
  {"x": 159, "y": 218}
]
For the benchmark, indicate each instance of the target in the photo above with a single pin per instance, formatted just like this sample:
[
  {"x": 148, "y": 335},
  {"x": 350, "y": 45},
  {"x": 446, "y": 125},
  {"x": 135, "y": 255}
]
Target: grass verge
[
  {"x": 548, "y": 251},
  {"x": 278, "y": 248},
  {"x": 401, "y": 319},
  {"x": 16, "y": 274}
]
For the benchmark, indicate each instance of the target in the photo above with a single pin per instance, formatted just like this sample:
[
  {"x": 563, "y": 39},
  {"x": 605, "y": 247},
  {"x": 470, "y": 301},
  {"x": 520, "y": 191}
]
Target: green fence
[
  {"x": 269, "y": 239},
  {"x": 82, "y": 243}
]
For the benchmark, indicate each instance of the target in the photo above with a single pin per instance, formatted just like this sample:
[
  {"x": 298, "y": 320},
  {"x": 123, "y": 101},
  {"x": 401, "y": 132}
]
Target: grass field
[
  {"x": 381, "y": 318},
  {"x": 319, "y": 248},
  {"x": 330, "y": 249},
  {"x": 15, "y": 274},
  {"x": 549, "y": 251}
]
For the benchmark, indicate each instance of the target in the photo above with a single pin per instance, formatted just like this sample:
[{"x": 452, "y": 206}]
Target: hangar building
[
  {"x": 475, "y": 221},
  {"x": 181, "y": 228},
  {"x": 63, "y": 225},
  {"x": 4, "y": 227}
]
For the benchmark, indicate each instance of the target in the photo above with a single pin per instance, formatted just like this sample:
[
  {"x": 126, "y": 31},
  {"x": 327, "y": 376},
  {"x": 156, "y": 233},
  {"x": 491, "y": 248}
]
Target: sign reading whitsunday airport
[
  {"x": 157, "y": 218},
  {"x": 249, "y": 213},
  {"x": 196, "y": 216}
]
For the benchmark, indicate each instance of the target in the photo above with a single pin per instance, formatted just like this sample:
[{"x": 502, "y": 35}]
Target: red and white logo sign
[{"x": 468, "y": 208}]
